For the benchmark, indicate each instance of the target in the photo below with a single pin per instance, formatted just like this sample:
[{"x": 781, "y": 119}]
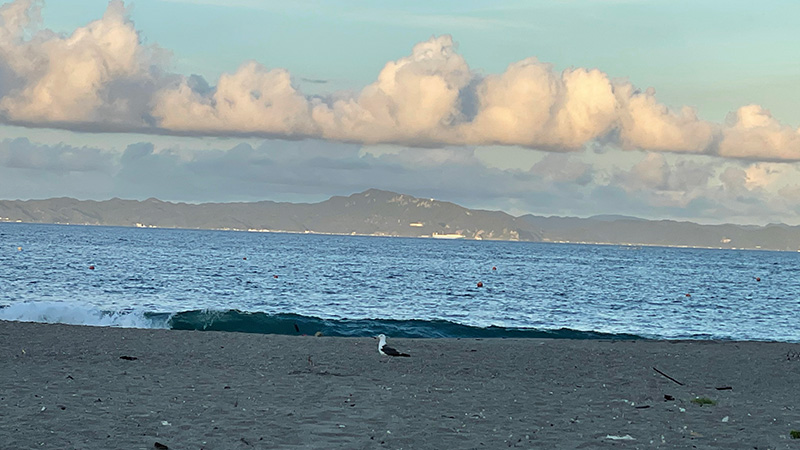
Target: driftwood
[{"x": 668, "y": 377}]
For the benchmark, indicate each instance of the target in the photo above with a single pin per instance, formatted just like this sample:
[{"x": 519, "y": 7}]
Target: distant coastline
[
  {"x": 630, "y": 245},
  {"x": 389, "y": 214}
]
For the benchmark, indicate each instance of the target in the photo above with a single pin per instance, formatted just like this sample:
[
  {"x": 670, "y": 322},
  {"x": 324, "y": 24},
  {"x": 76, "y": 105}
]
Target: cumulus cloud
[
  {"x": 101, "y": 77},
  {"x": 415, "y": 100},
  {"x": 99, "y": 74},
  {"x": 646, "y": 124},
  {"x": 532, "y": 106},
  {"x": 754, "y": 134},
  {"x": 252, "y": 100}
]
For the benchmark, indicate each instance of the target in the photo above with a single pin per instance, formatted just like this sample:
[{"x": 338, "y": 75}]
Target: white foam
[{"x": 75, "y": 314}]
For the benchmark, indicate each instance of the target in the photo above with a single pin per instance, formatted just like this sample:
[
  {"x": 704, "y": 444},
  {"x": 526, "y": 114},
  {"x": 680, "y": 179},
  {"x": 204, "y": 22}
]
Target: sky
[{"x": 681, "y": 110}]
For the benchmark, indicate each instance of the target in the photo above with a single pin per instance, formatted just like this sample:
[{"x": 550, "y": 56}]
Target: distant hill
[
  {"x": 382, "y": 213},
  {"x": 629, "y": 230},
  {"x": 373, "y": 212}
]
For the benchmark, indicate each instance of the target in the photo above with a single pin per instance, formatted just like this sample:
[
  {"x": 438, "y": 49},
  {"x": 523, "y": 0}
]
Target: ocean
[{"x": 402, "y": 287}]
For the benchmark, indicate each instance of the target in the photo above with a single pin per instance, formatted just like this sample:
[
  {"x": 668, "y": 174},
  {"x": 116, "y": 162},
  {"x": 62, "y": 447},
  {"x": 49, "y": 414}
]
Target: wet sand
[{"x": 67, "y": 387}]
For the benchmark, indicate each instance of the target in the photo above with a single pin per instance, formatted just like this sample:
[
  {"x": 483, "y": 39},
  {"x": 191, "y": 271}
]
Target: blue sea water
[{"x": 359, "y": 286}]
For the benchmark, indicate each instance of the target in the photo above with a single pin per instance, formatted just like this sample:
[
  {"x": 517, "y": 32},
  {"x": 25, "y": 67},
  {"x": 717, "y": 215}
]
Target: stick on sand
[{"x": 673, "y": 379}]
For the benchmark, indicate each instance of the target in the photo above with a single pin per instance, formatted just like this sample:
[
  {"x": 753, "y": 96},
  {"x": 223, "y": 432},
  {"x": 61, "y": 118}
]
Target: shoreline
[
  {"x": 631, "y": 245},
  {"x": 66, "y": 386},
  {"x": 298, "y": 325}
]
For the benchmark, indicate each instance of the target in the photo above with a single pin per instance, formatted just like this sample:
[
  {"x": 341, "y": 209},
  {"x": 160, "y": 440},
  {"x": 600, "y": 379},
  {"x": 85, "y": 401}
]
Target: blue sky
[
  {"x": 714, "y": 55},
  {"x": 435, "y": 99}
]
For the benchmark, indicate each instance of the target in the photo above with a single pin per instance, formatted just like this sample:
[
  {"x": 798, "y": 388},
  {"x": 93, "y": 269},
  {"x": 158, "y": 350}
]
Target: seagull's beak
[{"x": 374, "y": 337}]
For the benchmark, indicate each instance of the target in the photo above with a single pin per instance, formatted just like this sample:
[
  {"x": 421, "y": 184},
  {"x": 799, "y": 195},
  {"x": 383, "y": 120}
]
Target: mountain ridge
[{"x": 372, "y": 212}]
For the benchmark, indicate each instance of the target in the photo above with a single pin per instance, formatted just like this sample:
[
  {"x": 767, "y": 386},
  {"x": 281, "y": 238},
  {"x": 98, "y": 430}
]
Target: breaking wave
[
  {"x": 72, "y": 314},
  {"x": 289, "y": 324}
]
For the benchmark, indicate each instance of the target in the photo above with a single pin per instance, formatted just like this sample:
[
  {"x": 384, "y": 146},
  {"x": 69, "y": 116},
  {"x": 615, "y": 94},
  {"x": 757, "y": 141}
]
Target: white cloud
[
  {"x": 414, "y": 100},
  {"x": 648, "y": 125},
  {"x": 530, "y": 105},
  {"x": 253, "y": 100},
  {"x": 96, "y": 75},
  {"x": 754, "y": 134},
  {"x": 102, "y": 78}
]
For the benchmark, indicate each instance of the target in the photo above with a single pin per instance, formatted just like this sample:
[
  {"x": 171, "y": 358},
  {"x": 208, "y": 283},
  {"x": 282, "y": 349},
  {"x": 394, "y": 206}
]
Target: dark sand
[{"x": 65, "y": 387}]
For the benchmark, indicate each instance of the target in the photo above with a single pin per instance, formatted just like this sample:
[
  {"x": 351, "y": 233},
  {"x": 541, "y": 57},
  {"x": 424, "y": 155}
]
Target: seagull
[{"x": 385, "y": 350}]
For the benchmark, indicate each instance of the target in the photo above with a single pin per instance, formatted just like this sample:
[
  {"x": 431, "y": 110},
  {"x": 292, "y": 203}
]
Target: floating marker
[
  {"x": 274, "y": 276},
  {"x": 19, "y": 249},
  {"x": 494, "y": 268},
  {"x": 91, "y": 267},
  {"x": 245, "y": 258},
  {"x": 480, "y": 284},
  {"x": 758, "y": 278},
  {"x": 688, "y": 295}
]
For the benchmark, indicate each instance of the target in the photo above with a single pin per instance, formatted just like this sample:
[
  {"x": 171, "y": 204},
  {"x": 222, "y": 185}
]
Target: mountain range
[{"x": 383, "y": 213}]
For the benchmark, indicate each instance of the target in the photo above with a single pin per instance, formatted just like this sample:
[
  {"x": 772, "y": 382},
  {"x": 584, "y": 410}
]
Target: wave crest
[
  {"x": 77, "y": 314},
  {"x": 288, "y": 324},
  {"x": 296, "y": 324}
]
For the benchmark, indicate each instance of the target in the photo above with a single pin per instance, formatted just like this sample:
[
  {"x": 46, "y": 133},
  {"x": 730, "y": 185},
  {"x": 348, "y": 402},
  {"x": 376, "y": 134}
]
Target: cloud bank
[
  {"x": 652, "y": 185},
  {"x": 102, "y": 78}
]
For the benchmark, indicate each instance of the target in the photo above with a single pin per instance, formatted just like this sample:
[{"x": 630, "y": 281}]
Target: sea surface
[{"x": 404, "y": 287}]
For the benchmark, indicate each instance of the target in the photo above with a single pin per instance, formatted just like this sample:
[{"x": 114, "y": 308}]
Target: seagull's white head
[{"x": 381, "y": 343}]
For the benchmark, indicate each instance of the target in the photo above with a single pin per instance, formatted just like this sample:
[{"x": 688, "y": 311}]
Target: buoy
[
  {"x": 758, "y": 278},
  {"x": 19, "y": 249},
  {"x": 91, "y": 267},
  {"x": 245, "y": 258},
  {"x": 274, "y": 276},
  {"x": 688, "y": 295},
  {"x": 480, "y": 284},
  {"x": 494, "y": 268}
]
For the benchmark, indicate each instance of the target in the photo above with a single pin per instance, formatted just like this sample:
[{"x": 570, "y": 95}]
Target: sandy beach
[{"x": 73, "y": 387}]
